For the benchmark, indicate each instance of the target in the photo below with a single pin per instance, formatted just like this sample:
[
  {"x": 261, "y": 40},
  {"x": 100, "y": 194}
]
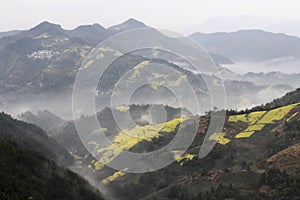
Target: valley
[{"x": 226, "y": 128}]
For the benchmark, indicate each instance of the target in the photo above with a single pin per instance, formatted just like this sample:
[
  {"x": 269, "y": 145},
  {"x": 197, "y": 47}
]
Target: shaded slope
[
  {"x": 250, "y": 45},
  {"x": 44, "y": 119},
  {"x": 34, "y": 138},
  {"x": 28, "y": 175}
]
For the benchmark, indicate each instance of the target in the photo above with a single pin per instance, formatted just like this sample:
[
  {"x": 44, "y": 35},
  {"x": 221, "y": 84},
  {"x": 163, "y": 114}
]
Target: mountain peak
[
  {"x": 92, "y": 34},
  {"x": 95, "y": 26},
  {"x": 131, "y": 23},
  {"x": 47, "y": 27}
]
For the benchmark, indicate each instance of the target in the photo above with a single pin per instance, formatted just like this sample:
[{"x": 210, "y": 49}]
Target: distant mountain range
[
  {"x": 251, "y": 45},
  {"x": 247, "y": 22},
  {"x": 41, "y": 63},
  {"x": 8, "y": 33},
  {"x": 256, "y": 156},
  {"x": 44, "y": 119},
  {"x": 243, "y": 45}
]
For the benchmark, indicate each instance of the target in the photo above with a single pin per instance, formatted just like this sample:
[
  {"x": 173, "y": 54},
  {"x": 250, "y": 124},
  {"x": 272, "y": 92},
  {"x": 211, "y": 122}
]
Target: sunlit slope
[
  {"x": 287, "y": 160},
  {"x": 258, "y": 120},
  {"x": 126, "y": 139},
  {"x": 255, "y": 122}
]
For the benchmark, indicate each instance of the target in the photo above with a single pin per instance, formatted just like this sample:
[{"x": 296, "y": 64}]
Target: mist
[{"x": 284, "y": 65}]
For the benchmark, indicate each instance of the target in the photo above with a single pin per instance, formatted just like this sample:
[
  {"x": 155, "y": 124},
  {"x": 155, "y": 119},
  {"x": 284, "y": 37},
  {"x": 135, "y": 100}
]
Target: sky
[{"x": 176, "y": 15}]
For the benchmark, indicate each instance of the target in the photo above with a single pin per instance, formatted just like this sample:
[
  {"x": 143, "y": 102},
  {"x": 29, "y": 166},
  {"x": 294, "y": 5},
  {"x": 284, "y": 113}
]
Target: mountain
[
  {"x": 32, "y": 164},
  {"x": 34, "y": 138},
  {"x": 67, "y": 135},
  {"x": 256, "y": 156},
  {"x": 253, "y": 157},
  {"x": 93, "y": 34},
  {"x": 8, "y": 33},
  {"x": 32, "y": 55},
  {"x": 291, "y": 97},
  {"x": 251, "y": 45},
  {"x": 26, "y": 174},
  {"x": 44, "y": 119},
  {"x": 220, "y": 59},
  {"x": 235, "y": 23},
  {"x": 286, "y": 160},
  {"x": 134, "y": 24},
  {"x": 38, "y": 67},
  {"x": 127, "y": 25},
  {"x": 47, "y": 57},
  {"x": 46, "y": 27}
]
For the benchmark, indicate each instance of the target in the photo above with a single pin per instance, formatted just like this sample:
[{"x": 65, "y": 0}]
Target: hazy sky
[{"x": 169, "y": 14}]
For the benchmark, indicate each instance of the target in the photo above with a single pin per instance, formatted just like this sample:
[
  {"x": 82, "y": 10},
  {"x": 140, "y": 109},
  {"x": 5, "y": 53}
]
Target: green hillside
[
  {"x": 256, "y": 156},
  {"x": 25, "y": 174},
  {"x": 32, "y": 137}
]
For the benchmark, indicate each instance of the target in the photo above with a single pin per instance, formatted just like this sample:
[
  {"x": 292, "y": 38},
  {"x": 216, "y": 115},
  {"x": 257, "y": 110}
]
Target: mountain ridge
[
  {"x": 32, "y": 137},
  {"x": 250, "y": 45},
  {"x": 26, "y": 174},
  {"x": 37, "y": 63},
  {"x": 239, "y": 162},
  {"x": 131, "y": 23}
]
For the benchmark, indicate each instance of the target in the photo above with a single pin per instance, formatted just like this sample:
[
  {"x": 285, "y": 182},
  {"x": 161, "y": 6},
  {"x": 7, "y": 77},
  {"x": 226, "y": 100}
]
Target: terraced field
[
  {"x": 127, "y": 139},
  {"x": 258, "y": 120},
  {"x": 220, "y": 138}
]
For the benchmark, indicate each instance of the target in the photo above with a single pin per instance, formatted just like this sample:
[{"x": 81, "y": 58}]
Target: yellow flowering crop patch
[
  {"x": 113, "y": 177},
  {"x": 155, "y": 86},
  {"x": 136, "y": 72},
  {"x": 109, "y": 49},
  {"x": 276, "y": 114},
  {"x": 244, "y": 134},
  {"x": 122, "y": 108},
  {"x": 255, "y": 127},
  {"x": 127, "y": 139},
  {"x": 157, "y": 75},
  {"x": 178, "y": 82},
  {"x": 220, "y": 138},
  {"x": 291, "y": 117},
  {"x": 181, "y": 159},
  {"x": 253, "y": 117},
  {"x": 236, "y": 118}
]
